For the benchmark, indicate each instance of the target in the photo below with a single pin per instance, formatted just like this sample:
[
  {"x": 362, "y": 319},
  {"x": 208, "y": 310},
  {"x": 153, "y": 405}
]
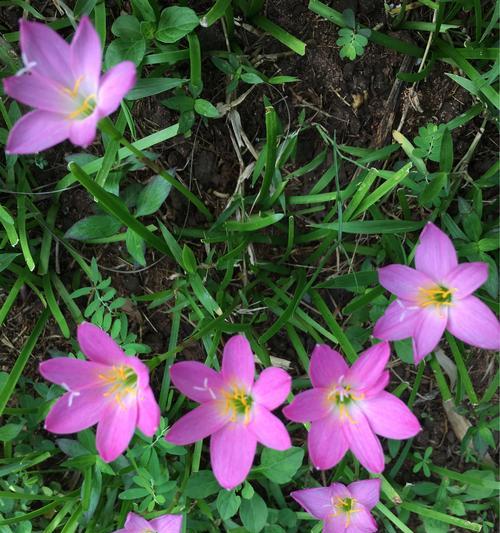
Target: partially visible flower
[
  {"x": 342, "y": 509},
  {"x": 168, "y": 523},
  {"x": 111, "y": 390},
  {"x": 234, "y": 410},
  {"x": 348, "y": 407},
  {"x": 436, "y": 296},
  {"x": 63, "y": 83}
]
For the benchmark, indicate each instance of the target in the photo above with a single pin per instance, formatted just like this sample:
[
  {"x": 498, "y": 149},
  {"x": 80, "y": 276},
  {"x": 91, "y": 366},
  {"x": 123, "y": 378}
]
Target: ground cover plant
[{"x": 249, "y": 266}]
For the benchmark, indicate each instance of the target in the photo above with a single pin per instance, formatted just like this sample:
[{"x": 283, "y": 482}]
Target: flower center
[
  {"x": 239, "y": 404},
  {"x": 342, "y": 396},
  {"x": 86, "y": 104},
  {"x": 121, "y": 381},
  {"x": 344, "y": 506},
  {"x": 437, "y": 295}
]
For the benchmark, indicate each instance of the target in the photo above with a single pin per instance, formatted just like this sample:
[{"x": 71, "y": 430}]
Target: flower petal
[
  {"x": 148, "y": 418},
  {"x": 326, "y": 442},
  {"x": 361, "y": 521},
  {"x": 403, "y": 281},
  {"x": 116, "y": 428},
  {"x": 308, "y": 406},
  {"x": 72, "y": 374},
  {"x": 435, "y": 254},
  {"x": 98, "y": 346},
  {"x": 466, "y": 278},
  {"x": 390, "y": 417},
  {"x": 398, "y": 322},
  {"x": 199, "y": 423},
  {"x": 268, "y": 429},
  {"x": 367, "y": 369},
  {"x": 335, "y": 524},
  {"x": 367, "y": 492},
  {"x": 474, "y": 322},
  {"x": 37, "y": 131},
  {"x": 316, "y": 501},
  {"x": 83, "y": 132},
  {"x": 272, "y": 387},
  {"x": 428, "y": 331},
  {"x": 86, "y": 56},
  {"x": 196, "y": 381},
  {"x": 378, "y": 386},
  {"x": 327, "y": 366},
  {"x": 114, "y": 85},
  {"x": 169, "y": 523},
  {"x": 232, "y": 450},
  {"x": 137, "y": 522},
  {"x": 238, "y": 366}
]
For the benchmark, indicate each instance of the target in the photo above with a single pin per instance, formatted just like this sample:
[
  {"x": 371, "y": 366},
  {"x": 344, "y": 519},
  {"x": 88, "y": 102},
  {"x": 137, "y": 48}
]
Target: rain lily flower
[
  {"x": 111, "y": 390},
  {"x": 234, "y": 410},
  {"x": 63, "y": 83},
  {"x": 342, "y": 509},
  {"x": 348, "y": 406},
  {"x": 168, "y": 523},
  {"x": 435, "y": 296}
]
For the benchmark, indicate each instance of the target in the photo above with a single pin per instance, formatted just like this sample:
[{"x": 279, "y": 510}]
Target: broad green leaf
[
  {"x": 133, "y": 494},
  {"x": 227, "y": 504},
  {"x": 201, "y": 485},
  {"x": 135, "y": 246},
  {"x": 280, "y": 467},
  {"x": 205, "y": 108},
  {"x": 6, "y": 259},
  {"x": 151, "y": 86},
  {"x": 10, "y": 432},
  {"x": 253, "y": 513},
  {"x": 152, "y": 196},
  {"x": 127, "y": 27},
  {"x": 93, "y": 227},
  {"x": 125, "y": 50},
  {"x": 175, "y": 23}
]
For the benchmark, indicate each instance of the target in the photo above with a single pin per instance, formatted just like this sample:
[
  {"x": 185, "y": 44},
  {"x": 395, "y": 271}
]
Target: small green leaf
[
  {"x": 227, "y": 504},
  {"x": 253, "y": 514},
  {"x": 175, "y": 23},
  {"x": 152, "y": 196},
  {"x": 133, "y": 494},
  {"x": 125, "y": 50},
  {"x": 205, "y": 108},
  {"x": 10, "y": 432},
  {"x": 93, "y": 227},
  {"x": 280, "y": 467},
  {"x": 201, "y": 485},
  {"x": 135, "y": 246}
]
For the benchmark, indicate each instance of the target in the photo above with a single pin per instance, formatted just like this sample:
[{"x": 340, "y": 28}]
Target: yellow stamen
[
  {"x": 237, "y": 402},
  {"x": 344, "y": 506},
  {"x": 76, "y": 87},
  {"x": 122, "y": 383},
  {"x": 437, "y": 295},
  {"x": 87, "y": 105}
]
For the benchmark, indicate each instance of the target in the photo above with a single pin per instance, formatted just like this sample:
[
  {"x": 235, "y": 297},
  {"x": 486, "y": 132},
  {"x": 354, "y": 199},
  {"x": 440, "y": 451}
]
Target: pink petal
[
  {"x": 335, "y": 524},
  {"x": 403, "y": 281},
  {"x": 76, "y": 412},
  {"x": 363, "y": 442},
  {"x": 367, "y": 369},
  {"x": 327, "y": 366},
  {"x": 86, "y": 56},
  {"x": 134, "y": 521},
  {"x": 26, "y": 138},
  {"x": 238, "y": 366},
  {"x": 308, "y": 406},
  {"x": 428, "y": 331},
  {"x": 148, "y": 418},
  {"x": 196, "y": 381},
  {"x": 116, "y": 428},
  {"x": 474, "y": 322},
  {"x": 83, "y": 132},
  {"x": 378, "y": 386},
  {"x": 140, "y": 369},
  {"x": 115, "y": 84},
  {"x": 390, "y": 417},
  {"x": 72, "y": 374},
  {"x": 398, "y": 322},
  {"x": 367, "y": 492},
  {"x": 435, "y": 255},
  {"x": 326, "y": 442},
  {"x": 169, "y": 523},
  {"x": 466, "y": 278},
  {"x": 361, "y": 521},
  {"x": 272, "y": 388},
  {"x": 199, "y": 423},
  {"x": 268, "y": 429},
  {"x": 232, "y": 450},
  {"x": 50, "y": 52},
  {"x": 316, "y": 502},
  {"x": 98, "y": 346}
]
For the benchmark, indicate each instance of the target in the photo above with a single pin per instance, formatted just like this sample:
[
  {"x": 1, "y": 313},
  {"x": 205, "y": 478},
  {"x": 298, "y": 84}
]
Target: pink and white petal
[
  {"x": 72, "y": 374},
  {"x": 308, "y": 406},
  {"x": 238, "y": 366},
  {"x": 232, "y": 450},
  {"x": 466, "y": 278},
  {"x": 367, "y": 492},
  {"x": 136, "y": 522},
  {"x": 169, "y": 523},
  {"x": 75, "y": 412},
  {"x": 114, "y": 86},
  {"x": 148, "y": 418},
  {"x": 98, "y": 346},
  {"x": 435, "y": 254},
  {"x": 390, "y": 417},
  {"x": 335, "y": 524},
  {"x": 51, "y": 53},
  {"x": 361, "y": 521},
  {"x": 327, "y": 366},
  {"x": 403, "y": 281},
  {"x": 363, "y": 443},
  {"x": 199, "y": 423},
  {"x": 37, "y": 131},
  {"x": 398, "y": 322},
  {"x": 86, "y": 56},
  {"x": 368, "y": 368},
  {"x": 268, "y": 429},
  {"x": 197, "y": 381},
  {"x": 82, "y": 132},
  {"x": 326, "y": 442},
  {"x": 272, "y": 387},
  {"x": 428, "y": 331},
  {"x": 116, "y": 428},
  {"x": 140, "y": 369},
  {"x": 317, "y": 501},
  {"x": 473, "y": 322}
]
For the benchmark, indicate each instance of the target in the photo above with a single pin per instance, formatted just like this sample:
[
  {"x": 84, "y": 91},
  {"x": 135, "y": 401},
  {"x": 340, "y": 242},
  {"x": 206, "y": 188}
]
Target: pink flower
[
  {"x": 436, "y": 296},
  {"x": 234, "y": 410},
  {"x": 168, "y": 523},
  {"x": 111, "y": 390},
  {"x": 63, "y": 83},
  {"x": 342, "y": 509},
  {"x": 348, "y": 406}
]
